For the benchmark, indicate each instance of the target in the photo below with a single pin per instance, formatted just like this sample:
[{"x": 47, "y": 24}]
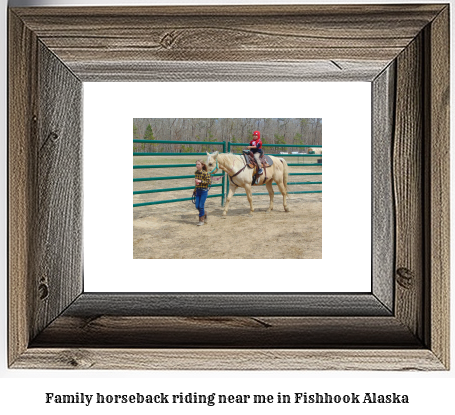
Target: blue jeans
[{"x": 201, "y": 197}]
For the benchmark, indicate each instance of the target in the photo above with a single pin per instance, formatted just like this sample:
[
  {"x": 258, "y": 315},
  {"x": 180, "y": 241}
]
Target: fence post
[
  {"x": 227, "y": 181},
  {"x": 223, "y": 197}
]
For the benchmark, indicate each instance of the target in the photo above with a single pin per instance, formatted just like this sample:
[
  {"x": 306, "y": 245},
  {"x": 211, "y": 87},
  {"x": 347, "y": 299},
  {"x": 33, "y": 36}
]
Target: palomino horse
[{"x": 242, "y": 176}]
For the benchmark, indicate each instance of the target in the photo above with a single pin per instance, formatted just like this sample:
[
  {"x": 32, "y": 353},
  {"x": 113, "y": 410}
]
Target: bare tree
[{"x": 273, "y": 131}]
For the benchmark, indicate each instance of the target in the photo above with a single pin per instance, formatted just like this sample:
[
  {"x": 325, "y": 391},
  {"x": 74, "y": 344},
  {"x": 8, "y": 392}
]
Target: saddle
[{"x": 251, "y": 163}]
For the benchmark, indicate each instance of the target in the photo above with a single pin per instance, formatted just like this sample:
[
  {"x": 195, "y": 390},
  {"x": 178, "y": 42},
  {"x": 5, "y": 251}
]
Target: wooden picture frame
[{"x": 403, "y": 324}]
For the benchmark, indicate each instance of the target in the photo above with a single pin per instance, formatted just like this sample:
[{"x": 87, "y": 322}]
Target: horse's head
[{"x": 212, "y": 162}]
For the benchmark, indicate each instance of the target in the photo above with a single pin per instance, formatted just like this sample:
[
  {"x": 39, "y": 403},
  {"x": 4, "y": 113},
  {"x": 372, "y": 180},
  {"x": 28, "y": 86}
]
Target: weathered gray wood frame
[{"x": 403, "y": 50}]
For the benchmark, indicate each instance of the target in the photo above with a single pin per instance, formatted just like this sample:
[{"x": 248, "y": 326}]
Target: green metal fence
[
  {"x": 225, "y": 183},
  {"x": 289, "y": 164},
  {"x": 170, "y": 166}
]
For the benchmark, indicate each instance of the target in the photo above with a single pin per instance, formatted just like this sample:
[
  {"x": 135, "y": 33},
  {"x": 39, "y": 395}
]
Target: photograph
[{"x": 187, "y": 172}]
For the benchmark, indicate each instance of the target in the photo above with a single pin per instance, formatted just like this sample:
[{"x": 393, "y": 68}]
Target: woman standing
[{"x": 203, "y": 181}]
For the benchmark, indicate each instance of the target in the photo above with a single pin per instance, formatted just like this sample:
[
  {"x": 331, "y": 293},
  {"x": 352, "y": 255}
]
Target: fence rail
[
  {"x": 190, "y": 176},
  {"x": 289, "y": 164},
  {"x": 170, "y": 166},
  {"x": 225, "y": 183},
  {"x": 218, "y": 143},
  {"x": 159, "y": 202}
]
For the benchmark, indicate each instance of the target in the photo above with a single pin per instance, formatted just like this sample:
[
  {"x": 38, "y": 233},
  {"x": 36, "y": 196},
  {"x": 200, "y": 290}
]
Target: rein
[
  {"x": 243, "y": 168},
  {"x": 216, "y": 168}
]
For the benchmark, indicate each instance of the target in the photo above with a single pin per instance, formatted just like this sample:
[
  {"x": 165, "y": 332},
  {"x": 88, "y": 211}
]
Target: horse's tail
[{"x": 285, "y": 173}]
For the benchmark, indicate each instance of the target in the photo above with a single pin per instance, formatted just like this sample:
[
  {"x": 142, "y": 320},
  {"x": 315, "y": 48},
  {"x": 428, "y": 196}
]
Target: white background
[
  {"x": 345, "y": 109},
  {"x": 23, "y": 391}
]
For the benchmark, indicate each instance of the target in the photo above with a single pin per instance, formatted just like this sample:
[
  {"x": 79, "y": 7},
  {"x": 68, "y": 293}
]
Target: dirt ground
[{"x": 169, "y": 231}]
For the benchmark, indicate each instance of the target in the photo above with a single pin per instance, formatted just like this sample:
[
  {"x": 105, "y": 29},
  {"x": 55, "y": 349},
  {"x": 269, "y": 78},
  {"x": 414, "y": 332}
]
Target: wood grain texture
[
  {"x": 44, "y": 187},
  {"x": 383, "y": 215},
  {"x": 227, "y": 34},
  {"x": 235, "y": 359},
  {"x": 408, "y": 188},
  {"x": 256, "y": 332},
  {"x": 438, "y": 198},
  {"x": 58, "y": 209},
  {"x": 22, "y": 94},
  {"x": 204, "y": 71},
  {"x": 89, "y": 305}
]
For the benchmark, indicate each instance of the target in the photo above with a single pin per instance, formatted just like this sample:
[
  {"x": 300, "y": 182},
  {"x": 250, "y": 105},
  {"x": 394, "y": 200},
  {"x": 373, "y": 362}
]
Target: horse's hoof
[{"x": 287, "y": 209}]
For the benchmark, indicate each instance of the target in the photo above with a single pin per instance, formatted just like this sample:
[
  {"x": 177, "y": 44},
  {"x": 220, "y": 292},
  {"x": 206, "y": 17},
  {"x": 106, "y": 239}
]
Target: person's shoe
[
  {"x": 260, "y": 171},
  {"x": 201, "y": 221},
  {"x": 205, "y": 218}
]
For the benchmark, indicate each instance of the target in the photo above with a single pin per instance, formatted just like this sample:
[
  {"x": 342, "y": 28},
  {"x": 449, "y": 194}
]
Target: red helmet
[{"x": 258, "y": 134}]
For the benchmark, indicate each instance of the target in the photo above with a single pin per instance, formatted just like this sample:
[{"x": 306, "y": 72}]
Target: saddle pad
[{"x": 268, "y": 160}]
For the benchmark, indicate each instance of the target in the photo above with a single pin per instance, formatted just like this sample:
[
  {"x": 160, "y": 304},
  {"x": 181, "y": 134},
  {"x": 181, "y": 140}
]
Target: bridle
[{"x": 216, "y": 168}]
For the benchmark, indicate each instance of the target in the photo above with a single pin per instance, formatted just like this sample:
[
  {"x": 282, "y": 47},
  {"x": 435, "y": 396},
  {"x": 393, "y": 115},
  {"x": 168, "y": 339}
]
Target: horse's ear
[{"x": 214, "y": 155}]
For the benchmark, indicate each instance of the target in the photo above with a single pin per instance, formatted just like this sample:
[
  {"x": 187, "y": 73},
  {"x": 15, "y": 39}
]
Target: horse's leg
[
  {"x": 232, "y": 190},
  {"x": 269, "y": 186},
  {"x": 249, "y": 196},
  {"x": 283, "y": 191}
]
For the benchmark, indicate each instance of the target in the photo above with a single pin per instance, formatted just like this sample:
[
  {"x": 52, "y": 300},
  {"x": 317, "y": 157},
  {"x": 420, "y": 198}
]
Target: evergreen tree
[
  {"x": 298, "y": 139},
  {"x": 148, "y": 135}
]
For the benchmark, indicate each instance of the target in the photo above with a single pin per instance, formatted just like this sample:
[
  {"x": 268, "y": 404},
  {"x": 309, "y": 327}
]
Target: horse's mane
[{"x": 231, "y": 154}]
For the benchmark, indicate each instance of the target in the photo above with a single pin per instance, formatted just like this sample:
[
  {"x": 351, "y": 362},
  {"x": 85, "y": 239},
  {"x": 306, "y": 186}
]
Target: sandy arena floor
[{"x": 169, "y": 230}]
